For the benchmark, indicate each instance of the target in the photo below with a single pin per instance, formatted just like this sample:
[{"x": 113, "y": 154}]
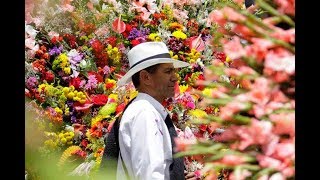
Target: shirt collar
[{"x": 158, "y": 106}]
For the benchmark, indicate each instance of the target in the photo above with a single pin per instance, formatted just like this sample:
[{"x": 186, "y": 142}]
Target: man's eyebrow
[{"x": 169, "y": 68}]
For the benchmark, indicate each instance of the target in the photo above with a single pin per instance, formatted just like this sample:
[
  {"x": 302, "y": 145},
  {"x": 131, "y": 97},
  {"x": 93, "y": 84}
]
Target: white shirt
[{"x": 144, "y": 140}]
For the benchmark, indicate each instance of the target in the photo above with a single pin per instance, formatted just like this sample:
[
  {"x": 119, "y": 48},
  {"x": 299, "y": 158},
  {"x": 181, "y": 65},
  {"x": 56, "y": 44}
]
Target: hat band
[{"x": 164, "y": 55}]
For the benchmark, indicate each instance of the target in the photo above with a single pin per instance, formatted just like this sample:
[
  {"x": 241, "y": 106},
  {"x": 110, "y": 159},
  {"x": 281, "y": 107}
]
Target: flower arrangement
[
  {"x": 256, "y": 111},
  {"x": 75, "y": 51}
]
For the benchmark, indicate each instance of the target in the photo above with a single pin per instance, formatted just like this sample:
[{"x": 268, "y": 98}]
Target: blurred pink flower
[
  {"x": 180, "y": 15},
  {"x": 232, "y": 160},
  {"x": 284, "y": 151},
  {"x": 227, "y": 111},
  {"x": 183, "y": 144},
  {"x": 286, "y": 6},
  {"x": 242, "y": 175},
  {"x": 280, "y": 60},
  {"x": 284, "y": 123},
  {"x": 234, "y": 48},
  {"x": 232, "y": 15},
  {"x": 216, "y": 16}
]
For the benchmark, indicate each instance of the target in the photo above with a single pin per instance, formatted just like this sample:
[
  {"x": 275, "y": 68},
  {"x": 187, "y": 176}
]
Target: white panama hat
[{"x": 148, "y": 54}]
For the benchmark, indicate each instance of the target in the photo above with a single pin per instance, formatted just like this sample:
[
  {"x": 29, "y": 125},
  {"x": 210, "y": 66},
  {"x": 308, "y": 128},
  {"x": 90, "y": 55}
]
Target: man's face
[{"x": 164, "y": 79}]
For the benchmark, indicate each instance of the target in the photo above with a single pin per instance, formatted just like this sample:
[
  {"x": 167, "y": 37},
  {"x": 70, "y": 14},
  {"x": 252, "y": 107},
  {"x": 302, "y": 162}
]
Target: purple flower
[
  {"x": 32, "y": 82},
  {"x": 92, "y": 82},
  {"x": 106, "y": 70},
  {"x": 134, "y": 33},
  {"x": 74, "y": 57},
  {"x": 55, "y": 50}
]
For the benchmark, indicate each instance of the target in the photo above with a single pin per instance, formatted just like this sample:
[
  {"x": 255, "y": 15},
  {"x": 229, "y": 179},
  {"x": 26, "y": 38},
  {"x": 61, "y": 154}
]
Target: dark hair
[{"x": 136, "y": 77}]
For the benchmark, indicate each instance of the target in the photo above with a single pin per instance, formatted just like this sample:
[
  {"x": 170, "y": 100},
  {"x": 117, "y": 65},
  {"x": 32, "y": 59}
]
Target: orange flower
[{"x": 175, "y": 26}]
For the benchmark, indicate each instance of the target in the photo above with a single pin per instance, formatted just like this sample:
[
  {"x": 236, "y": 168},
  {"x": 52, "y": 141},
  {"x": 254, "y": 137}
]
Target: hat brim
[{"x": 127, "y": 77}]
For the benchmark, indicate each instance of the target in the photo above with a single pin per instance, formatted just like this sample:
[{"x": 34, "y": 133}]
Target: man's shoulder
[{"x": 140, "y": 105}]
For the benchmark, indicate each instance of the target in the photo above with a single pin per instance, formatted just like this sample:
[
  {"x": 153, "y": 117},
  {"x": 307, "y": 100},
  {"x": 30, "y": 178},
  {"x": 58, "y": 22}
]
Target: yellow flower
[
  {"x": 154, "y": 37},
  {"x": 133, "y": 94},
  {"x": 183, "y": 88},
  {"x": 70, "y": 95},
  {"x": 198, "y": 113},
  {"x": 228, "y": 59},
  {"x": 67, "y": 70},
  {"x": 173, "y": 56},
  {"x": 114, "y": 96},
  {"x": 179, "y": 35},
  {"x": 41, "y": 87},
  {"x": 66, "y": 90},
  {"x": 207, "y": 92},
  {"x": 110, "y": 83},
  {"x": 96, "y": 119},
  {"x": 193, "y": 56}
]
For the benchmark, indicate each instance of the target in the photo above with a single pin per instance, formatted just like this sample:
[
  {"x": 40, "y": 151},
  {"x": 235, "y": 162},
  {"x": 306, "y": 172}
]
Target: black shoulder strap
[
  {"x": 116, "y": 130},
  {"x": 111, "y": 152}
]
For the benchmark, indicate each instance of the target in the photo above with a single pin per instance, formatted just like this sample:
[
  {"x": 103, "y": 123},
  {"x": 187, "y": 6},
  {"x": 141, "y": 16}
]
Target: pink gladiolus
[
  {"x": 284, "y": 151},
  {"x": 277, "y": 176},
  {"x": 284, "y": 123},
  {"x": 230, "y": 109},
  {"x": 233, "y": 15},
  {"x": 286, "y": 6},
  {"x": 183, "y": 144},
  {"x": 280, "y": 60},
  {"x": 242, "y": 30},
  {"x": 216, "y": 16},
  {"x": 234, "y": 48},
  {"x": 232, "y": 160},
  {"x": 240, "y": 176},
  {"x": 268, "y": 162}
]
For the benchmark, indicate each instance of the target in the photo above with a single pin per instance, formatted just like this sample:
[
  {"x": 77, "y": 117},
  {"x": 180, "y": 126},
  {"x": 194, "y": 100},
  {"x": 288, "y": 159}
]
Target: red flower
[
  {"x": 75, "y": 82},
  {"x": 84, "y": 143},
  {"x": 201, "y": 77},
  {"x": 220, "y": 55},
  {"x": 110, "y": 85},
  {"x": 81, "y": 153},
  {"x": 46, "y": 56},
  {"x": 48, "y": 76},
  {"x": 56, "y": 39},
  {"x": 39, "y": 53},
  {"x": 203, "y": 127},
  {"x": 120, "y": 108},
  {"x": 39, "y": 65},
  {"x": 127, "y": 31},
  {"x": 135, "y": 42},
  {"x": 99, "y": 99},
  {"x": 111, "y": 40}
]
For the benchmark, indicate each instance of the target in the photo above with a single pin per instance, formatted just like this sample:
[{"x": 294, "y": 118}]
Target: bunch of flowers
[
  {"x": 75, "y": 52},
  {"x": 254, "y": 127}
]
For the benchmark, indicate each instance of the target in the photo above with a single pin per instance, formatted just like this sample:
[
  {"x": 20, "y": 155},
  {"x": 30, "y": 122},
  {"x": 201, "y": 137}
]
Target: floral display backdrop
[{"x": 233, "y": 106}]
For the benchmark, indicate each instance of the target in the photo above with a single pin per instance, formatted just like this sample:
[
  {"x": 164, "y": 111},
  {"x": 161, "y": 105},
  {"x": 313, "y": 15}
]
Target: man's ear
[{"x": 145, "y": 77}]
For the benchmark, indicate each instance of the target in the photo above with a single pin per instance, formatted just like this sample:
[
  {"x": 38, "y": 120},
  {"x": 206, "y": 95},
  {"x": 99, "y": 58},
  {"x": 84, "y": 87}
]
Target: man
[{"x": 146, "y": 132}]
